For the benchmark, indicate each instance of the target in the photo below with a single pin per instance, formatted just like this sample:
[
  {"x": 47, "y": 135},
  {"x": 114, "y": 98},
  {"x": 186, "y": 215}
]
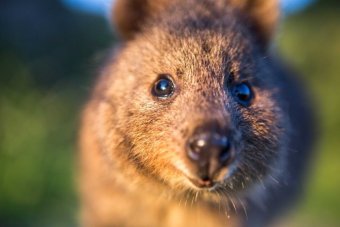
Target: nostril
[
  {"x": 205, "y": 178},
  {"x": 224, "y": 155},
  {"x": 224, "y": 146}
]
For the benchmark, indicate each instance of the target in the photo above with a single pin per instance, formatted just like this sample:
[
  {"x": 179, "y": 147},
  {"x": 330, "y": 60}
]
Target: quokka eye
[
  {"x": 243, "y": 93},
  {"x": 163, "y": 87}
]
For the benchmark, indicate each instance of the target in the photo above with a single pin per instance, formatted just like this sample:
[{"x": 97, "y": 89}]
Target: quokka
[{"x": 193, "y": 121}]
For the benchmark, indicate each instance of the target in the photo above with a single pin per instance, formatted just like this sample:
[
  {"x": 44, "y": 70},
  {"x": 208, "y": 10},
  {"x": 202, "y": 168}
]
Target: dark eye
[
  {"x": 163, "y": 87},
  {"x": 243, "y": 93}
]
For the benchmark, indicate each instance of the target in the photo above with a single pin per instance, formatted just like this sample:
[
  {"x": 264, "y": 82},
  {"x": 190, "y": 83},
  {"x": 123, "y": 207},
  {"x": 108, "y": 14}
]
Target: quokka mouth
[{"x": 203, "y": 184}]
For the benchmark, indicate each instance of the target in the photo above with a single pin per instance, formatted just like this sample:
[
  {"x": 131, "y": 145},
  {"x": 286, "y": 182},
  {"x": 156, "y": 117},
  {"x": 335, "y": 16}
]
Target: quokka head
[{"x": 191, "y": 98}]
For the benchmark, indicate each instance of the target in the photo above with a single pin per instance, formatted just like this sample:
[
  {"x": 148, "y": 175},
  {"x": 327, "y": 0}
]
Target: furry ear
[
  {"x": 129, "y": 15},
  {"x": 262, "y": 17}
]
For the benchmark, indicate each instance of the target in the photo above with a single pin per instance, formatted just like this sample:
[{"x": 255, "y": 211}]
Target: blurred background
[{"x": 49, "y": 54}]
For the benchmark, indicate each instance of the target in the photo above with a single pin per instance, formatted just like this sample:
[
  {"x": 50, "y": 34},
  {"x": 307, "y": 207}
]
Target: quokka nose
[{"x": 209, "y": 147}]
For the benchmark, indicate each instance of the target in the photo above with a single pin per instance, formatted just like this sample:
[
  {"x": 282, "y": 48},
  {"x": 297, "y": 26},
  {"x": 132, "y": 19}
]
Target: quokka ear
[
  {"x": 262, "y": 16},
  {"x": 129, "y": 15}
]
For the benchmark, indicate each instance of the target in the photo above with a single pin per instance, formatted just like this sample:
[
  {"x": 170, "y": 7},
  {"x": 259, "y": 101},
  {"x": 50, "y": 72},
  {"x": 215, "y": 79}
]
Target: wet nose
[{"x": 209, "y": 149}]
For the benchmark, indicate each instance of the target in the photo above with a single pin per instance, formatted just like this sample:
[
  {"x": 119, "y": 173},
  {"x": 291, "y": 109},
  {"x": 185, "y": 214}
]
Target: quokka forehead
[{"x": 208, "y": 54}]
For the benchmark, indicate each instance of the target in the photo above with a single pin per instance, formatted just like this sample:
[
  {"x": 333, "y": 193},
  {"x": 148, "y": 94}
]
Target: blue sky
[{"x": 102, "y": 7}]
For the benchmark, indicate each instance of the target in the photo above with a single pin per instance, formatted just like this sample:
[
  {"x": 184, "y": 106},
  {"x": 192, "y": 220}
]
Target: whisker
[
  {"x": 196, "y": 196},
  {"x": 274, "y": 179}
]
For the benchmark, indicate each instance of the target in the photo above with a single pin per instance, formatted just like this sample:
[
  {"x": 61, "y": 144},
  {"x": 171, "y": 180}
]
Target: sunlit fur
[{"x": 134, "y": 168}]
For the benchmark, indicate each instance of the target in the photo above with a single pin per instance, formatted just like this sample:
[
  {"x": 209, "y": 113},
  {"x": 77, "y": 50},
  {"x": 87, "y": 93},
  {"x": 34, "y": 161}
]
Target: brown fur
[{"x": 134, "y": 171}]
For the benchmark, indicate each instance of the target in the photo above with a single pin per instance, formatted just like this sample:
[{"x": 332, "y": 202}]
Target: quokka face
[{"x": 195, "y": 107}]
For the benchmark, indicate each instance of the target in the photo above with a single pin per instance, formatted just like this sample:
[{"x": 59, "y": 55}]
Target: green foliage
[
  {"x": 312, "y": 41},
  {"x": 36, "y": 154}
]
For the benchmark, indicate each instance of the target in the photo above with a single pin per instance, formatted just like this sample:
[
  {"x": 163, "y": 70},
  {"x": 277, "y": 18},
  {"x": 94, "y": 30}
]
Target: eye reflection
[
  {"x": 243, "y": 93},
  {"x": 163, "y": 88}
]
